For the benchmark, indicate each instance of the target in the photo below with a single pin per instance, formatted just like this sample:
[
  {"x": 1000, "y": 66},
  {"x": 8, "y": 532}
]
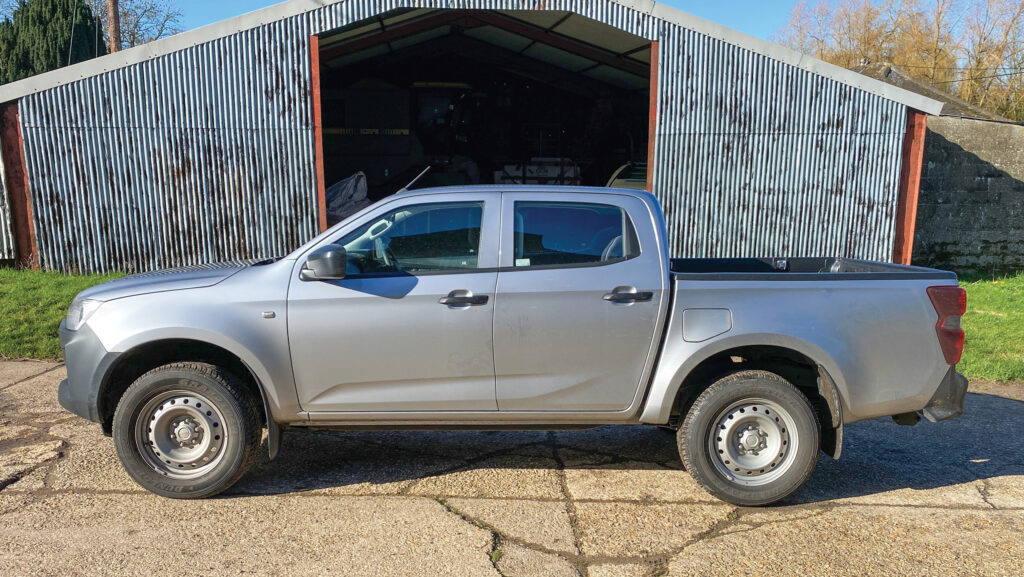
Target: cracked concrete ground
[{"x": 936, "y": 499}]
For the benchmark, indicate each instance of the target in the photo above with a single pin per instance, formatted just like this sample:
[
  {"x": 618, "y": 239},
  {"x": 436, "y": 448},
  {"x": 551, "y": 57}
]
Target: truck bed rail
[{"x": 790, "y": 269}]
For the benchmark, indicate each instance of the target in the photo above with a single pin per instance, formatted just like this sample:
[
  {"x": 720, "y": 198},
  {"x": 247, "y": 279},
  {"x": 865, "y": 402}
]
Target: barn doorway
[{"x": 482, "y": 97}]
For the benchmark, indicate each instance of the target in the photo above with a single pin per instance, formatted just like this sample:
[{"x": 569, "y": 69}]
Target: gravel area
[{"x": 935, "y": 499}]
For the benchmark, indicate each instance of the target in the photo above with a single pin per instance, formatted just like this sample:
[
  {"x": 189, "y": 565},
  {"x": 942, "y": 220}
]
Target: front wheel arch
[{"x": 143, "y": 358}]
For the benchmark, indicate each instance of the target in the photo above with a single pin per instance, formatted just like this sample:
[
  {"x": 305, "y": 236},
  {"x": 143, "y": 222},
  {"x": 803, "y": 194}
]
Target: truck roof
[{"x": 529, "y": 188}]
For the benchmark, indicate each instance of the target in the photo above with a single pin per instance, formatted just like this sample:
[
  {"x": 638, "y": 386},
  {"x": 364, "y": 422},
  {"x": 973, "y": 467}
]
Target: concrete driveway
[{"x": 928, "y": 500}]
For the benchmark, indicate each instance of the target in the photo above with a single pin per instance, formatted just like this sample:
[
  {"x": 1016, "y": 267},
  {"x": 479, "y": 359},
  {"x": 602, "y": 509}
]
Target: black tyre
[
  {"x": 187, "y": 430},
  {"x": 750, "y": 439}
]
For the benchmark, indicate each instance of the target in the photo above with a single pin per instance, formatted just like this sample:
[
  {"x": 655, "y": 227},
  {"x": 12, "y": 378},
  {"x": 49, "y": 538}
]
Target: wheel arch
[
  {"x": 145, "y": 356},
  {"x": 806, "y": 366}
]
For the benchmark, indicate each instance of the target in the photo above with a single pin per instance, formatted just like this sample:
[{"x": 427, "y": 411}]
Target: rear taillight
[{"x": 951, "y": 303}]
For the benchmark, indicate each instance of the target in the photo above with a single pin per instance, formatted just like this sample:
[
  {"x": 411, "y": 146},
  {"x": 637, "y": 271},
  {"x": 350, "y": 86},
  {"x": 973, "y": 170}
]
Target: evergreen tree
[{"x": 39, "y": 37}]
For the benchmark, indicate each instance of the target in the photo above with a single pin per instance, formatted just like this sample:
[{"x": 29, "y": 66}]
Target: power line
[
  {"x": 925, "y": 66},
  {"x": 71, "y": 41},
  {"x": 977, "y": 78}
]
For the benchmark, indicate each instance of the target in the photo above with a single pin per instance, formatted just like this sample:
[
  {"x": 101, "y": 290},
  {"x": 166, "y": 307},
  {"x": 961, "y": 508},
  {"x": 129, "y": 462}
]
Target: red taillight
[{"x": 950, "y": 303}]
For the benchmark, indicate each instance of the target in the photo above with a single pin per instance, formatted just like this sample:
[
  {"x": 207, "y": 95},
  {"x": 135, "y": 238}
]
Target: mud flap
[
  {"x": 831, "y": 433},
  {"x": 948, "y": 400}
]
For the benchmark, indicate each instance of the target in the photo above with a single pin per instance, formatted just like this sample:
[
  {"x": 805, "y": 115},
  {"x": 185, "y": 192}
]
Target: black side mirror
[{"x": 325, "y": 263}]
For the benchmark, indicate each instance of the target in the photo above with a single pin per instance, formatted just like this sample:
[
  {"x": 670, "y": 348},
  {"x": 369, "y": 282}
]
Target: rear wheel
[
  {"x": 750, "y": 439},
  {"x": 186, "y": 430}
]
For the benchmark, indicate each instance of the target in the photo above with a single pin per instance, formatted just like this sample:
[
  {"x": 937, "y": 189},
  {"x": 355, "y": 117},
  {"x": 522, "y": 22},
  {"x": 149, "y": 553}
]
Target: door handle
[
  {"x": 455, "y": 299},
  {"x": 628, "y": 295}
]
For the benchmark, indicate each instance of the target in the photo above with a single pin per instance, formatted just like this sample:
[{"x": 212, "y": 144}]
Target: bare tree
[
  {"x": 973, "y": 49},
  {"x": 993, "y": 40},
  {"x": 809, "y": 28}
]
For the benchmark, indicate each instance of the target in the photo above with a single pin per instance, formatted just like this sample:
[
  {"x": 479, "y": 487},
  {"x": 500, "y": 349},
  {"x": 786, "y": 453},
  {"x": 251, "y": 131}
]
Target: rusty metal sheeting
[
  {"x": 756, "y": 158},
  {"x": 7, "y": 250},
  {"x": 207, "y": 154},
  {"x": 6, "y": 229},
  {"x": 202, "y": 155}
]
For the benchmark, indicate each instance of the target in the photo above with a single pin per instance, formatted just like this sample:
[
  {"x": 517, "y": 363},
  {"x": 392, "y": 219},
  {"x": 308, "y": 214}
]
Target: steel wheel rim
[
  {"x": 180, "y": 434},
  {"x": 753, "y": 442}
]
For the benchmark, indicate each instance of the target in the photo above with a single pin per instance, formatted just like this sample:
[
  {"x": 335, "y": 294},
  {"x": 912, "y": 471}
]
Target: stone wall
[{"x": 970, "y": 216}]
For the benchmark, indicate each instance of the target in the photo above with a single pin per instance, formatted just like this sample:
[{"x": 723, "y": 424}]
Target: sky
[{"x": 761, "y": 18}]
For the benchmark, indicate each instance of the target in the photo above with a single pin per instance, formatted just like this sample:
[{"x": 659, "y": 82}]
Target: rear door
[{"x": 579, "y": 294}]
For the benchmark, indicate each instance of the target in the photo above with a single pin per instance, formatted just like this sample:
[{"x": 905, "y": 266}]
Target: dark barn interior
[{"x": 484, "y": 97}]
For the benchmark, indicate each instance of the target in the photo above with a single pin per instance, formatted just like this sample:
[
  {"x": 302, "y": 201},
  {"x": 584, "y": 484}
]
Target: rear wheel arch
[
  {"x": 145, "y": 357},
  {"x": 807, "y": 374}
]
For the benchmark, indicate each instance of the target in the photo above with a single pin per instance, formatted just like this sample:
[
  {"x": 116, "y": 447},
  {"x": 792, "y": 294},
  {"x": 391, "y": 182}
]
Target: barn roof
[
  {"x": 581, "y": 33},
  {"x": 952, "y": 105}
]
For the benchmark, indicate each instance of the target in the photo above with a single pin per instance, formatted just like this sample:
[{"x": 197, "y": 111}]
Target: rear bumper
[{"x": 948, "y": 400}]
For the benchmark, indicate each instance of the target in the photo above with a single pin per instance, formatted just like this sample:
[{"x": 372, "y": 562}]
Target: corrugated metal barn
[{"x": 224, "y": 142}]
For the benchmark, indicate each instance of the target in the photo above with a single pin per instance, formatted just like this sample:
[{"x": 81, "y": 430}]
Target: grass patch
[
  {"x": 32, "y": 305},
  {"x": 994, "y": 324}
]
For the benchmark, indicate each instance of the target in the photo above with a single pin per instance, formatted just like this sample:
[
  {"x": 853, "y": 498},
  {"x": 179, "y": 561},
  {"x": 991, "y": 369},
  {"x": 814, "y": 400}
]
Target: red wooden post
[
  {"x": 653, "y": 119},
  {"x": 318, "y": 131},
  {"x": 910, "y": 186},
  {"x": 13, "y": 151}
]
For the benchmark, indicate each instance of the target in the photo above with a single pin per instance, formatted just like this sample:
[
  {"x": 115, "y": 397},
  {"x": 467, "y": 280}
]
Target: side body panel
[
  {"x": 875, "y": 338},
  {"x": 229, "y": 314},
  {"x": 388, "y": 345},
  {"x": 650, "y": 227}
]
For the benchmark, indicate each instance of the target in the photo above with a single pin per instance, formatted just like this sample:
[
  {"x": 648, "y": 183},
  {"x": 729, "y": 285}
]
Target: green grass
[
  {"x": 994, "y": 324},
  {"x": 33, "y": 303}
]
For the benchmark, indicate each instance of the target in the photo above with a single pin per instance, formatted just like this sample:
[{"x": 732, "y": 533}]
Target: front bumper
[
  {"x": 948, "y": 400},
  {"x": 87, "y": 362}
]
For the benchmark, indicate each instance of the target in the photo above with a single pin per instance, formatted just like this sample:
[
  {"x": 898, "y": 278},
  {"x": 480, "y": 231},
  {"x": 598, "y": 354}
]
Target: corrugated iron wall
[
  {"x": 7, "y": 251},
  {"x": 757, "y": 158},
  {"x": 202, "y": 155},
  {"x": 207, "y": 154}
]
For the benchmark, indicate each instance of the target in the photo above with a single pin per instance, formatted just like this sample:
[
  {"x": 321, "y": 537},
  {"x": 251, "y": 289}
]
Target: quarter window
[
  {"x": 417, "y": 238},
  {"x": 569, "y": 233}
]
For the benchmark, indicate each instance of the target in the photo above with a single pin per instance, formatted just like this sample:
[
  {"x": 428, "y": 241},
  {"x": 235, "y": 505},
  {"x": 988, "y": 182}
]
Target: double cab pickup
[{"x": 530, "y": 307}]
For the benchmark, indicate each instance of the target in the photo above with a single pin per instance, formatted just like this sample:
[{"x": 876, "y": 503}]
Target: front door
[
  {"x": 579, "y": 299},
  {"x": 410, "y": 327}
]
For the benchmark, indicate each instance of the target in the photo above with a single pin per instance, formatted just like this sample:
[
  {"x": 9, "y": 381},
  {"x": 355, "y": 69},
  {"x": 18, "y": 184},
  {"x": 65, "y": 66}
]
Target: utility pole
[{"x": 114, "y": 25}]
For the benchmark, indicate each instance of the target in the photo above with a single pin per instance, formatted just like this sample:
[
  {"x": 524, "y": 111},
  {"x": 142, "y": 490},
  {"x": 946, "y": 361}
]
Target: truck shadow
[
  {"x": 878, "y": 456},
  {"x": 881, "y": 456}
]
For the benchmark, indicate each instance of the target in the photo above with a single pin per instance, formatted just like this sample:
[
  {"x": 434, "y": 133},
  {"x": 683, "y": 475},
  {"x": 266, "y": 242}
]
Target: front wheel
[
  {"x": 186, "y": 430},
  {"x": 750, "y": 439}
]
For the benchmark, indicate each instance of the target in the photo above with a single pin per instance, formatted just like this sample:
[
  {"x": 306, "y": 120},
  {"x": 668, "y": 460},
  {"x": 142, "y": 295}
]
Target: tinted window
[
  {"x": 418, "y": 238},
  {"x": 563, "y": 233}
]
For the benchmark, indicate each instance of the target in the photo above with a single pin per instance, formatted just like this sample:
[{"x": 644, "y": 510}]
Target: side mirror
[{"x": 325, "y": 263}]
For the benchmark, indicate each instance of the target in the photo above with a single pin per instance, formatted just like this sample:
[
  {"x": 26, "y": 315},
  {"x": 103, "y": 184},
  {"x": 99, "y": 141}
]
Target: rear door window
[{"x": 558, "y": 234}]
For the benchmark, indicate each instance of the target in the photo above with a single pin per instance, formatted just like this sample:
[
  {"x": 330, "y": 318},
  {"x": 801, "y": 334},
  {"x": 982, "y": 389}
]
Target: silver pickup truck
[{"x": 514, "y": 307}]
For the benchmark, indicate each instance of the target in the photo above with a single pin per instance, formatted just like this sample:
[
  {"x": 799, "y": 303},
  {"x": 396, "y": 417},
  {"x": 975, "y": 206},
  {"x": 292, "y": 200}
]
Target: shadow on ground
[{"x": 878, "y": 456}]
